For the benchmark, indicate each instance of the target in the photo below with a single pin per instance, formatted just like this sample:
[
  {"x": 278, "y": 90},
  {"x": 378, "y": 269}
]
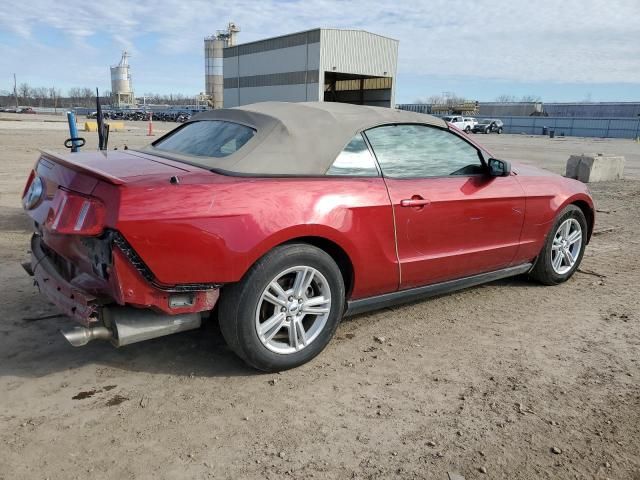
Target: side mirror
[{"x": 499, "y": 168}]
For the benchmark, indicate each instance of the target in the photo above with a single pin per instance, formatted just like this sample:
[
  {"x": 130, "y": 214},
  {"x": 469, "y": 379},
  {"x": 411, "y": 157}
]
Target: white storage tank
[
  {"x": 121, "y": 88},
  {"x": 213, "y": 61}
]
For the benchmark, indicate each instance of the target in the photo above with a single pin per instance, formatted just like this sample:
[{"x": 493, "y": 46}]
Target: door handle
[{"x": 415, "y": 201}]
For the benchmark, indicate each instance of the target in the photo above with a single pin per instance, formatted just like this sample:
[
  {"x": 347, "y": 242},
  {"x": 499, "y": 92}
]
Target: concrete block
[{"x": 595, "y": 167}]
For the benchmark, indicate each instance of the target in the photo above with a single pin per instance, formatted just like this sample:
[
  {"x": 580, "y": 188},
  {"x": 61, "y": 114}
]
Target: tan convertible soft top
[{"x": 296, "y": 138}]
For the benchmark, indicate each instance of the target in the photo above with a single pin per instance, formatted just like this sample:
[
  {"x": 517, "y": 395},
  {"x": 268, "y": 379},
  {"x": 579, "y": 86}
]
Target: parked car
[
  {"x": 27, "y": 110},
  {"x": 465, "y": 124},
  {"x": 289, "y": 216},
  {"x": 488, "y": 125}
]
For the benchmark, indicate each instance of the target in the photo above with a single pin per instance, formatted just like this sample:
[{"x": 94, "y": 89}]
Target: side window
[
  {"x": 355, "y": 160},
  {"x": 416, "y": 151}
]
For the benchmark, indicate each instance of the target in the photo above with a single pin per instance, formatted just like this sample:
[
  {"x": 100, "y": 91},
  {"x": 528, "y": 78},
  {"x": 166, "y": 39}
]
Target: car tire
[
  {"x": 247, "y": 306},
  {"x": 499, "y": 131},
  {"x": 546, "y": 269},
  {"x": 467, "y": 130}
]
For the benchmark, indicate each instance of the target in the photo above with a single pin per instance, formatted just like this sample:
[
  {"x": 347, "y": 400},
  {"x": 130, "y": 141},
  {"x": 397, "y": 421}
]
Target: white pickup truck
[{"x": 465, "y": 124}]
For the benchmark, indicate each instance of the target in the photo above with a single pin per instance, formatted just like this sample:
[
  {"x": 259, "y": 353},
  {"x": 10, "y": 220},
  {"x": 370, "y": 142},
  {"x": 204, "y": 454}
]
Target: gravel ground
[{"x": 511, "y": 379}]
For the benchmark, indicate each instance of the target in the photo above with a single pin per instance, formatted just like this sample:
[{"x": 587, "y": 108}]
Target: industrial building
[
  {"x": 350, "y": 66},
  {"x": 121, "y": 87},
  {"x": 593, "y": 109}
]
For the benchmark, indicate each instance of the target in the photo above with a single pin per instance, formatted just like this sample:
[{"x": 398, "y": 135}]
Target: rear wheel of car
[
  {"x": 286, "y": 308},
  {"x": 564, "y": 248},
  {"x": 487, "y": 130}
]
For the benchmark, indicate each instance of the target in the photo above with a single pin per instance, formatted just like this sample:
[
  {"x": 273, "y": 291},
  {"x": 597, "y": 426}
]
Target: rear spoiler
[{"x": 71, "y": 161}]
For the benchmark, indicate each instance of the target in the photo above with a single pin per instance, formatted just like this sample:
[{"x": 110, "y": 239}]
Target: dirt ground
[{"x": 493, "y": 379}]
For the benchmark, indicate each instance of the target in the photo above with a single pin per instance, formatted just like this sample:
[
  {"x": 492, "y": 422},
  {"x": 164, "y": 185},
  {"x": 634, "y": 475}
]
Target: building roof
[
  {"x": 312, "y": 30},
  {"x": 301, "y": 139}
]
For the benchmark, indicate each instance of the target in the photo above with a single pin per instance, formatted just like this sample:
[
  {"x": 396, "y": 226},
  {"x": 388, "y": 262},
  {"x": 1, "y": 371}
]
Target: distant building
[
  {"x": 516, "y": 109},
  {"x": 593, "y": 109},
  {"x": 331, "y": 65},
  {"x": 533, "y": 109},
  {"x": 121, "y": 86}
]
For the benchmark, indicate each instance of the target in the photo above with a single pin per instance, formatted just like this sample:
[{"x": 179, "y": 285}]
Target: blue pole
[{"x": 73, "y": 130}]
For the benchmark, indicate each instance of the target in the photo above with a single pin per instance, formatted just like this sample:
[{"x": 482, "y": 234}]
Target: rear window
[{"x": 206, "y": 138}]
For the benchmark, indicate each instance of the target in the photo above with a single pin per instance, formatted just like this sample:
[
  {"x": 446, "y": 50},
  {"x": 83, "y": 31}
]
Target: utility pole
[{"x": 15, "y": 90}]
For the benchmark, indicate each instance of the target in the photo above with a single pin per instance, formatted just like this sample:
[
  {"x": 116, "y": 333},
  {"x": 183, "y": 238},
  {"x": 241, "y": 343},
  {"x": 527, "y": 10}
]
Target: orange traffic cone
[{"x": 150, "y": 131}]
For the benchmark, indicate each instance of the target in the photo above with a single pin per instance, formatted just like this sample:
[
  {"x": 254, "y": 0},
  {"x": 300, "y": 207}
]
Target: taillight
[
  {"x": 75, "y": 214},
  {"x": 34, "y": 192},
  {"x": 32, "y": 175}
]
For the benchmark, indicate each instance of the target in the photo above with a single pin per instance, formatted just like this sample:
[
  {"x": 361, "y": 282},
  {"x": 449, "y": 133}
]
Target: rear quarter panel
[{"x": 212, "y": 228}]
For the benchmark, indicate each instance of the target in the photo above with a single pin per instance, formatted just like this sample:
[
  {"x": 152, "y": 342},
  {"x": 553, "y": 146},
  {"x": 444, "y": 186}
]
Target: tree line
[
  {"x": 52, "y": 97},
  {"x": 451, "y": 99}
]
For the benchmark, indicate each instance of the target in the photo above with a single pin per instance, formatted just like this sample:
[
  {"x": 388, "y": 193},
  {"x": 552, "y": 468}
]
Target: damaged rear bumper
[
  {"x": 86, "y": 298},
  {"x": 71, "y": 300}
]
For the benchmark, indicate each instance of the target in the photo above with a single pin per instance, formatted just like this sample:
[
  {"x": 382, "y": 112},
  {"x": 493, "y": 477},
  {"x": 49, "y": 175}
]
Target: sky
[{"x": 565, "y": 50}]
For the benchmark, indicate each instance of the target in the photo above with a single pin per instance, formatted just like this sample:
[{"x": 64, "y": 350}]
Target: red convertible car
[{"x": 286, "y": 217}]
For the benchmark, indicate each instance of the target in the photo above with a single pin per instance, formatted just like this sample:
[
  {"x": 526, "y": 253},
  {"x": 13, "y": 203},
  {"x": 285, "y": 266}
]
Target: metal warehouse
[{"x": 331, "y": 65}]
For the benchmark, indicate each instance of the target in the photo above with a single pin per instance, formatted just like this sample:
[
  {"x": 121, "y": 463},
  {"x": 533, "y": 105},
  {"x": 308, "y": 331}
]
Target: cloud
[{"x": 573, "y": 41}]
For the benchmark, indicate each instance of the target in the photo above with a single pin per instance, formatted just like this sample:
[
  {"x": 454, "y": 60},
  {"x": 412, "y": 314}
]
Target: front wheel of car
[
  {"x": 285, "y": 309},
  {"x": 499, "y": 131},
  {"x": 488, "y": 130},
  {"x": 467, "y": 129},
  {"x": 563, "y": 249}
]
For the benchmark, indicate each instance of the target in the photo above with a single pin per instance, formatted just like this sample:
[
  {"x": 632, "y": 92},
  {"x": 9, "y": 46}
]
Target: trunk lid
[
  {"x": 98, "y": 174},
  {"x": 115, "y": 166}
]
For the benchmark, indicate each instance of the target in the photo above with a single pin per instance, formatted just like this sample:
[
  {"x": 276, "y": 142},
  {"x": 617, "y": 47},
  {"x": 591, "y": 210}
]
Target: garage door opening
[{"x": 357, "y": 89}]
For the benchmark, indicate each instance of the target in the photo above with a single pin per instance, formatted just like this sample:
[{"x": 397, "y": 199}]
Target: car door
[{"x": 452, "y": 219}]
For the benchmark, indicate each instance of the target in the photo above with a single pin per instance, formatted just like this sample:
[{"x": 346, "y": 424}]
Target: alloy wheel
[
  {"x": 566, "y": 246},
  {"x": 293, "y": 309}
]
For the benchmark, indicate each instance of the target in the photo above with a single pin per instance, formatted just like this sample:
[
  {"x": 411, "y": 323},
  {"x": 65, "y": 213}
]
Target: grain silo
[
  {"x": 213, "y": 61},
  {"x": 121, "y": 88}
]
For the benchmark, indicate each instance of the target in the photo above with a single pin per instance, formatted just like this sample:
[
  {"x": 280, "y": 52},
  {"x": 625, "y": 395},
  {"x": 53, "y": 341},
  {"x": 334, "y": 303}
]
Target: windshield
[{"x": 206, "y": 138}]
